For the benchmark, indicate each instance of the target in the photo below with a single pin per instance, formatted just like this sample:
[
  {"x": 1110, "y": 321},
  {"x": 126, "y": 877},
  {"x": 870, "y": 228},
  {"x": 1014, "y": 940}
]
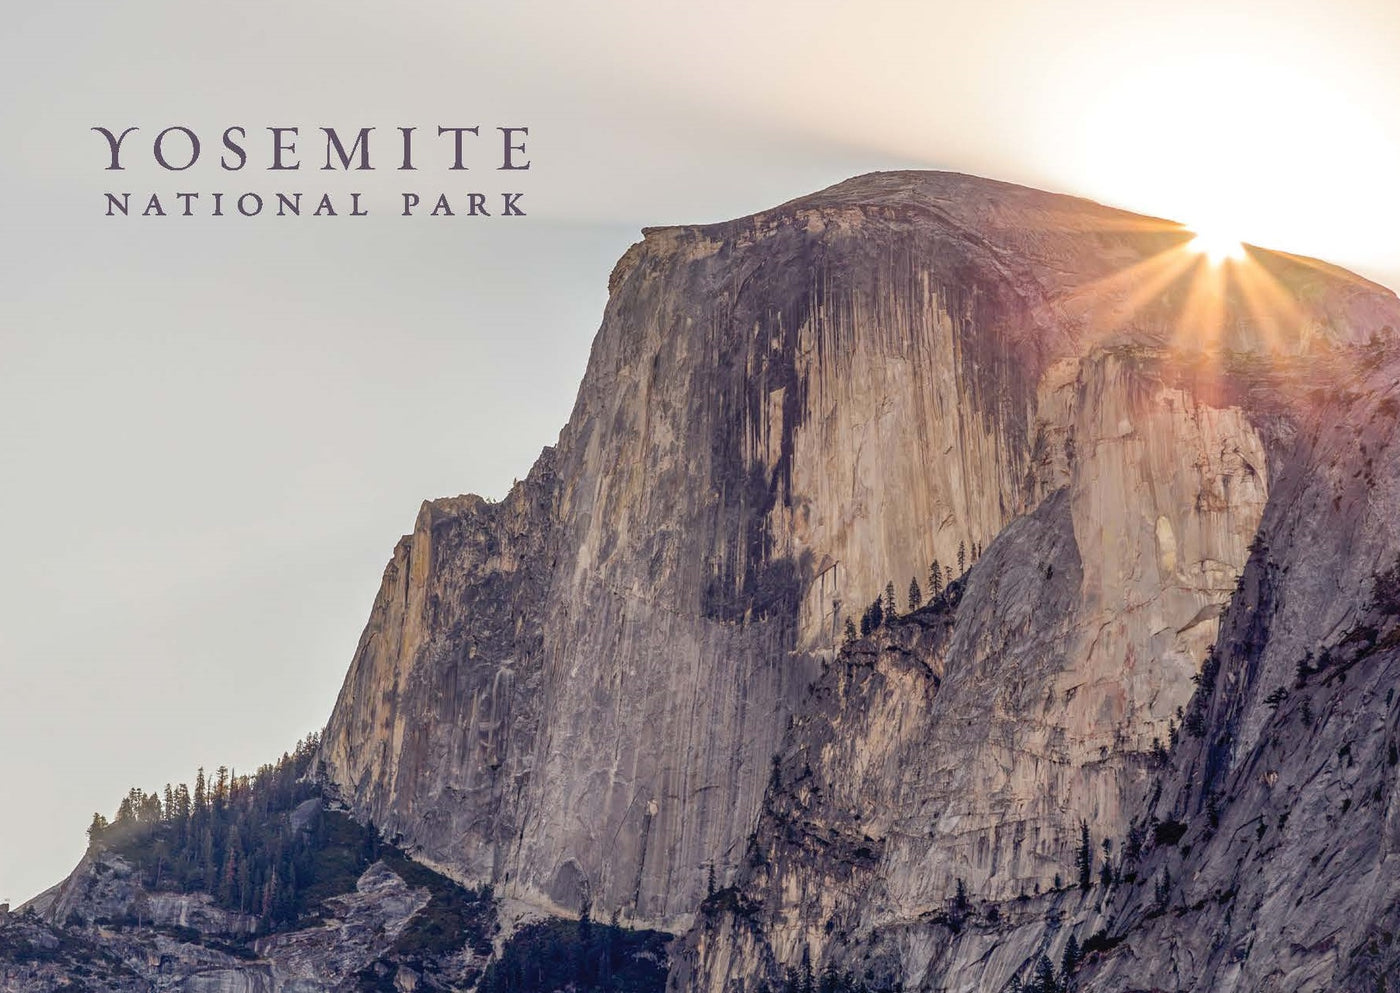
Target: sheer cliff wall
[{"x": 578, "y": 693}]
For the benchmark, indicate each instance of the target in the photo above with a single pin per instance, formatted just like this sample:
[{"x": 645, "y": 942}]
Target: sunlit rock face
[
  {"x": 432, "y": 733},
  {"x": 1287, "y": 877},
  {"x": 578, "y": 693}
]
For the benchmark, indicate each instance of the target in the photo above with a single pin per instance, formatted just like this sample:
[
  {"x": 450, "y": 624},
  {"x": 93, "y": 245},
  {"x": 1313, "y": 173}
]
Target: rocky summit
[{"x": 939, "y": 585}]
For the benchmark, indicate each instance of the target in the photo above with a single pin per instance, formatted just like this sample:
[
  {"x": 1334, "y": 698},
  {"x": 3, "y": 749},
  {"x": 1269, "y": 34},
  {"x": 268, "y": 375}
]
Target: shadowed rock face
[
  {"x": 103, "y": 929},
  {"x": 577, "y": 693}
]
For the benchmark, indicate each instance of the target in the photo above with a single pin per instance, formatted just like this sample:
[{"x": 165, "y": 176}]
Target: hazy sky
[{"x": 213, "y": 430}]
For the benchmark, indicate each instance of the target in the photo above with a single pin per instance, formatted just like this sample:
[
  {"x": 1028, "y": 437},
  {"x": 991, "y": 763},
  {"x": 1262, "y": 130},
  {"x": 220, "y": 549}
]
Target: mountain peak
[{"x": 932, "y": 570}]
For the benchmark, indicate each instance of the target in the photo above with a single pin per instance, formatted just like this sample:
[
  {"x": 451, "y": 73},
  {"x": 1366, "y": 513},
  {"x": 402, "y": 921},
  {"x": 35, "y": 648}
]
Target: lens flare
[
  {"x": 1217, "y": 246},
  {"x": 1208, "y": 290}
]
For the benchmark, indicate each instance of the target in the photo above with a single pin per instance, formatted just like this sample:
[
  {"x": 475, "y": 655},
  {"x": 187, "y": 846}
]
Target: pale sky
[{"x": 213, "y": 430}]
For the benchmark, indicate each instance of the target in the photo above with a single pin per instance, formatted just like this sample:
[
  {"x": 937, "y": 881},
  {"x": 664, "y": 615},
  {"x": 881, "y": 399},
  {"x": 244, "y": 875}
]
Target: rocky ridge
[{"x": 107, "y": 928}]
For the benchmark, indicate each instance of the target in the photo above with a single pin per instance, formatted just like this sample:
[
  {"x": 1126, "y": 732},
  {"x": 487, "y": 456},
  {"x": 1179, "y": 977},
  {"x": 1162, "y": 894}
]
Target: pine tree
[
  {"x": 1132, "y": 851},
  {"x": 935, "y": 579},
  {"x": 150, "y": 810},
  {"x": 916, "y": 595},
  {"x": 209, "y": 872},
  {"x": 1070, "y": 961},
  {"x": 877, "y": 614},
  {"x": 130, "y": 806},
  {"x": 891, "y": 604},
  {"x": 962, "y": 557},
  {"x": 1084, "y": 857},
  {"x": 1045, "y": 981},
  {"x": 960, "y": 908},
  {"x": 850, "y": 630},
  {"x": 229, "y": 877}
]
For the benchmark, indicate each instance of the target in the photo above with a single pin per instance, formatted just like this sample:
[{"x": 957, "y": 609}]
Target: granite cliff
[
  {"x": 578, "y": 694},
  {"x": 1142, "y": 708}
]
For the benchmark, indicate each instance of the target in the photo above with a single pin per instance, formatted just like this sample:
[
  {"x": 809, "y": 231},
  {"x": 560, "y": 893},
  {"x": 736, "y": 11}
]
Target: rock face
[
  {"x": 1263, "y": 855},
  {"x": 104, "y": 888},
  {"x": 364, "y": 923},
  {"x": 104, "y": 930},
  {"x": 597, "y": 690}
]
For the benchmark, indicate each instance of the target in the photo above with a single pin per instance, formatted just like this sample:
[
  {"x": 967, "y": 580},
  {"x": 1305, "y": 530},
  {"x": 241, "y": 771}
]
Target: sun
[{"x": 1217, "y": 246}]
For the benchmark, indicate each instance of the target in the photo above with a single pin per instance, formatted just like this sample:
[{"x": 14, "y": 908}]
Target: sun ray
[
  {"x": 1111, "y": 302},
  {"x": 1201, "y": 324},
  {"x": 1275, "y": 311},
  {"x": 1199, "y": 290}
]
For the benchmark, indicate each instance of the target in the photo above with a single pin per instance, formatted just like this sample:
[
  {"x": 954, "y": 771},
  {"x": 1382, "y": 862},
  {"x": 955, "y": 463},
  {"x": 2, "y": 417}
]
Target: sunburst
[
  {"x": 1217, "y": 245},
  {"x": 1209, "y": 288}
]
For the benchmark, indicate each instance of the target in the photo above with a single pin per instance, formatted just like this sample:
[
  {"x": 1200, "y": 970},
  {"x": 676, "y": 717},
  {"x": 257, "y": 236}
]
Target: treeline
[
  {"x": 803, "y": 981},
  {"x": 232, "y": 836},
  {"x": 583, "y": 956},
  {"x": 886, "y": 606}
]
